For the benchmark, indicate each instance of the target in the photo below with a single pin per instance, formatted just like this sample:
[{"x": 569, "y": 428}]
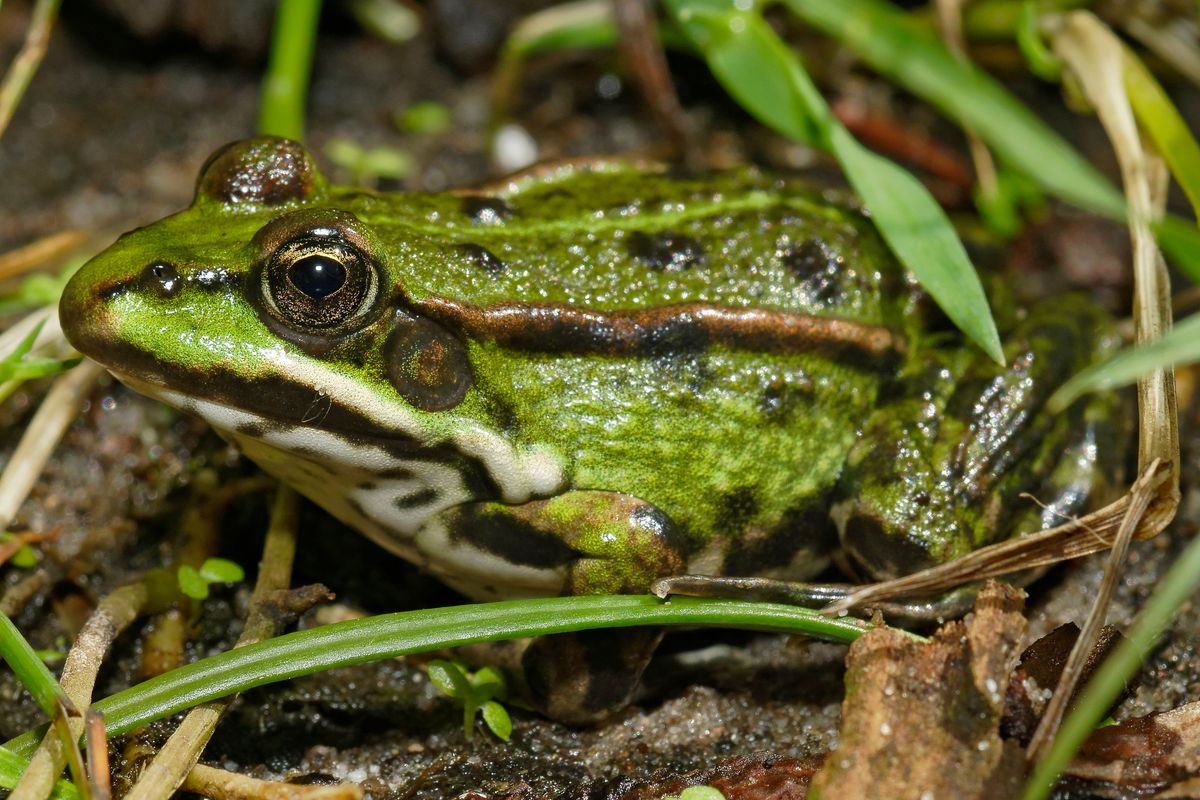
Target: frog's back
[
  {"x": 618, "y": 236},
  {"x": 710, "y": 344}
]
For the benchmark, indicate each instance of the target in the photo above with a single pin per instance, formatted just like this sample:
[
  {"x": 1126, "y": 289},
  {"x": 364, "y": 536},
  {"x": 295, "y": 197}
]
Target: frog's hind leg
[
  {"x": 580, "y": 542},
  {"x": 941, "y": 467}
]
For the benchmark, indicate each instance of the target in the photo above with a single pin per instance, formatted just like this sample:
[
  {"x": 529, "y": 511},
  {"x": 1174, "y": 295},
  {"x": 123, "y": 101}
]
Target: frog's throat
[{"x": 517, "y": 475}]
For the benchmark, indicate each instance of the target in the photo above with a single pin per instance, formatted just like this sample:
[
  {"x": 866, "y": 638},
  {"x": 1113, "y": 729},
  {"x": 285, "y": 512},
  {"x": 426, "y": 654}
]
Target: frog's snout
[{"x": 84, "y": 312}]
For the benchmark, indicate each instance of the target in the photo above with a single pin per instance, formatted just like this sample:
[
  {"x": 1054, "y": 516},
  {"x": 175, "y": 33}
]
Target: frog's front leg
[{"x": 580, "y": 542}]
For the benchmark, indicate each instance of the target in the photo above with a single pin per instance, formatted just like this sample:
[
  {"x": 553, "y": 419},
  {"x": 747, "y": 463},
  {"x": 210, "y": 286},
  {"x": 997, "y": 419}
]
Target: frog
[{"x": 592, "y": 375}]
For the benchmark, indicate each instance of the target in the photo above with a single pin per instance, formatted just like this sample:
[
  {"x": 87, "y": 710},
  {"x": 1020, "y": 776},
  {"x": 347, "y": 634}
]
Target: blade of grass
[
  {"x": 1158, "y": 117},
  {"x": 1180, "y": 240},
  {"x": 898, "y": 48},
  {"x": 11, "y": 766},
  {"x": 566, "y": 26},
  {"x": 1180, "y": 346},
  {"x": 357, "y": 641},
  {"x": 1173, "y": 590},
  {"x": 285, "y": 86},
  {"x": 30, "y": 670},
  {"x": 764, "y": 75},
  {"x": 28, "y": 59}
]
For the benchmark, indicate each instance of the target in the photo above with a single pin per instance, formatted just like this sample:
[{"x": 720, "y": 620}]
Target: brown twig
[
  {"x": 949, "y": 14},
  {"x": 11, "y": 547},
  {"x": 222, "y": 785},
  {"x": 17, "y": 595},
  {"x": 99, "y": 776},
  {"x": 46, "y": 250},
  {"x": 113, "y": 614},
  {"x": 646, "y": 63},
  {"x": 1095, "y": 56},
  {"x": 179, "y": 755},
  {"x": 1142, "y": 494},
  {"x": 56, "y": 413}
]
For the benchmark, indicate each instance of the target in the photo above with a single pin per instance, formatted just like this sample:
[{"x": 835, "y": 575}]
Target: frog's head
[{"x": 263, "y": 298}]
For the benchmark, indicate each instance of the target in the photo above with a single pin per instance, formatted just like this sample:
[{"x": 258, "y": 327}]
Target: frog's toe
[{"x": 581, "y": 678}]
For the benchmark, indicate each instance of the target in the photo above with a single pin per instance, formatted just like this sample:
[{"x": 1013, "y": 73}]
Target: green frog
[{"x": 593, "y": 375}]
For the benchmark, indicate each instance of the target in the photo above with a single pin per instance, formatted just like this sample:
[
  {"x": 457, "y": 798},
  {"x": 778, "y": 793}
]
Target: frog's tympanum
[{"x": 593, "y": 376}]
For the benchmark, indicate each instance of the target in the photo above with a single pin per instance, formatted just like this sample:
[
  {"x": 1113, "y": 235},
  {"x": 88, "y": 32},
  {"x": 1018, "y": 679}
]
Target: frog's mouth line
[
  {"x": 513, "y": 476},
  {"x": 322, "y": 411}
]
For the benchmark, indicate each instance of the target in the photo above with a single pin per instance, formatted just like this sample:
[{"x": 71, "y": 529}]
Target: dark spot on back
[
  {"x": 395, "y": 473},
  {"x": 816, "y": 265},
  {"x": 665, "y": 251},
  {"x": 483, "y": 258},
  {"x": 486, "y": 210},
  {"x": 781, "y": 397},
  {"x": 252, "y": 429}
]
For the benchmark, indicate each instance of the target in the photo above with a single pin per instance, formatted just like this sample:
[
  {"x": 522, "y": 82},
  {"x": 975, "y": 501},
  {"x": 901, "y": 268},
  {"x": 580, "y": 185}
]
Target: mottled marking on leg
[
  {"x": 511, "y": 533},
  {"x": 796, "y": 547}
]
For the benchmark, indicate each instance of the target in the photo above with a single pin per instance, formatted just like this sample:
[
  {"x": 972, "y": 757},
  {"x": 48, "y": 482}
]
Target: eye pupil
[{"x": 317, "y": 276}]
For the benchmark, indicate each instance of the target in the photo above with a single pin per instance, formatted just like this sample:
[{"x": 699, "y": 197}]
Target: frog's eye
[{"x": 319, "y": 284}]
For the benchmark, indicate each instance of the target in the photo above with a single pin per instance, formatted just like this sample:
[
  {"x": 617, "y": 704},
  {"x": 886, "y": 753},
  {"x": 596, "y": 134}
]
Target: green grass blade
[
  {"x": 1180, "y": 240},
  {"x": 568, "y": 26},
  {"x": 766, "y": 77},
  {"x": 898, "y": 48},
  {"x": 11, "y": 767},
  {"x": 357, "y": 641},
  {"x": 29, "y": 669},
  {"x": 285, "y": 86},
  {"x": 919, "y": 233},
  {"x": 1158, "y": 117},
  {"x": 757, "y": 68},
  {"x": 1173, "y": 590},
  {"x": 1179, "y": 346}
]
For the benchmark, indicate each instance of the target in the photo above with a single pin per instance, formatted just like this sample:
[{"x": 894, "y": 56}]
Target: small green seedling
[
  {"x": 38, "y": 289},
  {"x": 23, "y": 556},
  {"x": 20, "y": 366},
  {"x": 51, "y": 657},
  {"x": 480, "y": 691},
  {"x": 367, "y": 167},
  {"x": 426, "y": 116},
  {"x": 195, "y": 582},
  {"x": 697, "y": 793}
]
